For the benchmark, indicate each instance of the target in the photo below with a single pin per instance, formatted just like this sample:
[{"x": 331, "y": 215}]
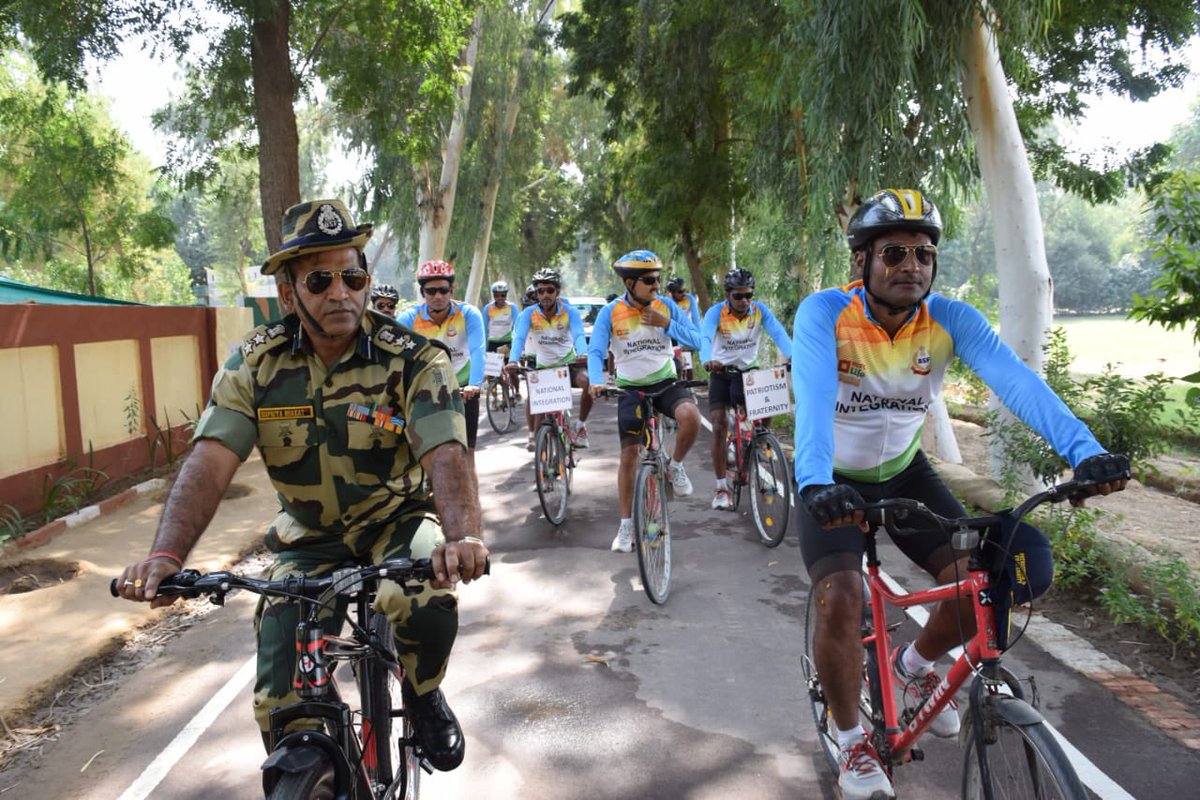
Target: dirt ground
[{"x": 1152, "y": 523}]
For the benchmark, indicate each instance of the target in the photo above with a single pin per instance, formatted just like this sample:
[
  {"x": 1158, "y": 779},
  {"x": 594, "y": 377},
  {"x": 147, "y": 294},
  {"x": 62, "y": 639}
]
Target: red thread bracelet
[{"x": 165, "y": 554}]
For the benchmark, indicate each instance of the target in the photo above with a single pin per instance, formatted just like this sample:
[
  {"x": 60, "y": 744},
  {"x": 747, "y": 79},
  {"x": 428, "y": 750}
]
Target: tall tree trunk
[
  {"x": 435, "y": 204},
  {"x": 1026, "y": 291},
  {"x": 691, "y": 254},
  {"x": 275, "y": 117}
]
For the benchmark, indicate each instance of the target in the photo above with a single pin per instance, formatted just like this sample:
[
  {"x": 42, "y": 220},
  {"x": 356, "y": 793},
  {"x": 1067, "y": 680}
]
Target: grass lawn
[{"x": 1138, "y": 347}]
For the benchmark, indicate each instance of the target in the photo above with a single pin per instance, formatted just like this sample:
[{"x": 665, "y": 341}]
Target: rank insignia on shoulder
[
  {"x": 404, "y": 341},
  {"x": 378, "y": 416},
  {"x": 261, "y": 337}
]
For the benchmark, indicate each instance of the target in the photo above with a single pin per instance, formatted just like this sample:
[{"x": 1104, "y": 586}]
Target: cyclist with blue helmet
[{"x": 638, "y": 328}]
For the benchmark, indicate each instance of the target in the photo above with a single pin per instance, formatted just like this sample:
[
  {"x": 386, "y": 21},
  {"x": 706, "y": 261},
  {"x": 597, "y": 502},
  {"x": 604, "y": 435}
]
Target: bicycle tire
[
  {"x": 315, "y": 783},
  {"x": 652, "y": 531},
  {"x": 379, "y": 690},
  {"x": 734, "y": 474},
  {"x": 550, "y": 466},
  {"x": 870, "y": 697},
  {"x": 500, "y": 412},
  {"x": 1025, "y": 761},
  {"x": 770, "y": 489}
]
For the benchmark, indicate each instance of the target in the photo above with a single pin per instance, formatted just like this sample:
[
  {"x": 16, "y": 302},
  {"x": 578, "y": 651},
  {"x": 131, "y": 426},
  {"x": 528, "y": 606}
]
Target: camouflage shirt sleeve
[
  {"x": 229, "y": 417},
  {"x": 434, "y": 402}
]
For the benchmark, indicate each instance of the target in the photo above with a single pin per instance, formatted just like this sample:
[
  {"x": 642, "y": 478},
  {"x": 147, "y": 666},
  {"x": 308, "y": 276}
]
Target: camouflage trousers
[{"x": 426, "y": 624}]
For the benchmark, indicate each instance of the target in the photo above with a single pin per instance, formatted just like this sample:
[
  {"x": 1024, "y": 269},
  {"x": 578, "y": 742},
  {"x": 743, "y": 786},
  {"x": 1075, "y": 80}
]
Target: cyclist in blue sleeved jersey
[
  {"x": 457, "y": 325},
  {"x": 638, "y": 328},
  {"x": 687, "y": 303},
  {"x": 729, "y": 337},
  {"x": 867, "y": 360},
  {"x": 552, "y": 330}
]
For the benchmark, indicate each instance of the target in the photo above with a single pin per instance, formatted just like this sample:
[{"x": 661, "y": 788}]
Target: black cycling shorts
[
  {"x": 629, "y": 410},
  {"x": 494, "y": 346},
  {"x": 471, "y": 409},
  {"x": 725, "y": 391},
  {"x": 841, "y": 549}
]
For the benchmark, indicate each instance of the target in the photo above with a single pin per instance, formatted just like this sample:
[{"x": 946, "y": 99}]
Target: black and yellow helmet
[{"x": 890, "y": 210}]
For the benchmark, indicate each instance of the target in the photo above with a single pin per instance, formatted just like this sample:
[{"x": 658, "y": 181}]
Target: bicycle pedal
[{"x": 917, "y": 754}]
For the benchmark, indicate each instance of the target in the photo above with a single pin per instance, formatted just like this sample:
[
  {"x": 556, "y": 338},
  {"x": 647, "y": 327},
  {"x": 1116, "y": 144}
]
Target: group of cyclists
[{"x": 367, "y": 422}]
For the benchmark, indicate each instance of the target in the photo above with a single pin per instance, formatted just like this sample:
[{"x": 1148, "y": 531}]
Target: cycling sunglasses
[
  {"x": 547, "y": 290},
  {"x": 385, "y": 306},
  {"x": 649, "y": 280},
  {"x": 430, "y": 291},
  {"x": 741, "y": 295},
  {"x": 320, "y": 280},
  {"x": 893, "y": 255}
]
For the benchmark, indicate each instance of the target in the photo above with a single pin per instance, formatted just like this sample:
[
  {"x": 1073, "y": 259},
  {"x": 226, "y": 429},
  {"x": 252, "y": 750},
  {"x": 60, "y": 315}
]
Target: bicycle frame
[{"x": 980, "y": 650}]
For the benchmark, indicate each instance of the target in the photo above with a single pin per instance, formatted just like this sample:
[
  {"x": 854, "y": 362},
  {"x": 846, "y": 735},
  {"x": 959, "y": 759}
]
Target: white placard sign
[
  {"x": 493, "y": 364},
  {"x": 767, "y": 392},
  {"x": 549, "y": 390}
]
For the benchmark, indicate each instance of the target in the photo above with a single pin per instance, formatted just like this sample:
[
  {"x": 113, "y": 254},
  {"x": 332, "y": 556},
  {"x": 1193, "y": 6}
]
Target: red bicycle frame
[{"x": 981, "y": 648}]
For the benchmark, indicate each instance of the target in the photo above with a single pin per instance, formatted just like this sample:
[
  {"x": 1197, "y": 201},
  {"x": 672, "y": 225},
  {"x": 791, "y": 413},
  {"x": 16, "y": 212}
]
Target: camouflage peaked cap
[{"x": 313, "y": 227}]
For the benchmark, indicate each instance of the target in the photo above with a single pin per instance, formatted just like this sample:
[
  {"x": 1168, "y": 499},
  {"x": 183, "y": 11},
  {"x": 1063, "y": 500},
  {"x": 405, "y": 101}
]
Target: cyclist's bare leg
[
  {"x": 720, "y": 425},
  {"x": 626, "y": 472},
  {"x": 944, "y": 629},
  {"x": 687, "y": 414},
  {"x": 837, "y": 644},
  {"x": 585, "y": 402}
]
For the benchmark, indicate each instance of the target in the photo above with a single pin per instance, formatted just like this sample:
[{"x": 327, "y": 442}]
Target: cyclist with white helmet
[
  {"x": 729, "y": 337},
  {"x": 499, "y": 317},
  {"x": 638, "y": 328},
  {"x": 868, "y": 359},
  {"x": 457, "y": 325},
  {"x": 384, "y": 298},
  {"x": 553, "y": 332}
]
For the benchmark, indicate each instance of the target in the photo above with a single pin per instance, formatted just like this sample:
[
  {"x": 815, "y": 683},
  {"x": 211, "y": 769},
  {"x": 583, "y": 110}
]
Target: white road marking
[
  {"x": 1068, "y": 653},
  {"x": 183, "y": 741}
]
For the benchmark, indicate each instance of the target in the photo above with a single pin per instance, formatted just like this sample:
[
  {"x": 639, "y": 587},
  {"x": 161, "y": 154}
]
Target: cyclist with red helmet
[
  {"x": 457, "y": 325},
  {"x": 639, "y": 327},
  {"x": 868, "y": 359},
  {"x": 729, "y": 337}
]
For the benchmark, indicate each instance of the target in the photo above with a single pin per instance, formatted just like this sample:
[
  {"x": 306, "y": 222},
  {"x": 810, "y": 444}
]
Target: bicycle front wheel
[
  {"x": 550, "y": 461},
  {"x": 1023, "y": 759},
  {"x": 500, "y": 412},
  {"x": 870, "y": 696},
  {"x": 770, "y": 488},
  {"x": 314, "y": 783},
  {"x": 652, "y": 529}
]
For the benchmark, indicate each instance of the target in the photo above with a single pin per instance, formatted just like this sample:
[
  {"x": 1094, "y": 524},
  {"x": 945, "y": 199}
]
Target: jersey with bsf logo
[
  {"x": 499, "y": 322},
  {"x": 461, "y": 331},
  {"x": 861, "y": 396},
  {"x": 555, "y": 340},
  {"x": 733, "y": 342},
  {"x": 342, "y": 444},
  {"x": 642, "y": 353}
]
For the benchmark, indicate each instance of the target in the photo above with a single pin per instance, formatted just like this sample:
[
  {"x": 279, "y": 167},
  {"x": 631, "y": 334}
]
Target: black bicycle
[
  {"x": 651, "y": 519},
  {"x": 354, "y": 754}
]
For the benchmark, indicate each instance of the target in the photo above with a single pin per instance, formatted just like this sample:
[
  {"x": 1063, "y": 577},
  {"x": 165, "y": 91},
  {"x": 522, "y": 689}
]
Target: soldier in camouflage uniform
[{"x": 360, "y": 425}]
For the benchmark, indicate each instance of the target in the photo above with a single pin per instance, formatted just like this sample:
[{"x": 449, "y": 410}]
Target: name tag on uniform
[
  {"x": 378, "y": 416},
  {"x": 285, "y": 412}
]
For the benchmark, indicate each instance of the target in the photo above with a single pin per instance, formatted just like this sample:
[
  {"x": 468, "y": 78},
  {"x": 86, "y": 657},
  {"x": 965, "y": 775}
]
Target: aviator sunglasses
[
  {"x": 893, "y": 255},
  {"x": 319, "y": 280}
]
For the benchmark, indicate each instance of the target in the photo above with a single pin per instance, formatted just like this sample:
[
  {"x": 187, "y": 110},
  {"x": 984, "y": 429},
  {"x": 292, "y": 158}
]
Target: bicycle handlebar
[
  {"x": 732, "y": 370},
  {"x": 190, "y": 583},
  {"x": 906, "y": 510}
]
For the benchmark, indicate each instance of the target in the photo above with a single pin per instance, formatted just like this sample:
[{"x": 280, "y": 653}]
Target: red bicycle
[{"x": 1010, "y": 750}]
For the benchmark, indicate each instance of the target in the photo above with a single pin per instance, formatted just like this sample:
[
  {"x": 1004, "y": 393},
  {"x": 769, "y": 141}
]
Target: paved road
[{"x": 570, "y": 684}]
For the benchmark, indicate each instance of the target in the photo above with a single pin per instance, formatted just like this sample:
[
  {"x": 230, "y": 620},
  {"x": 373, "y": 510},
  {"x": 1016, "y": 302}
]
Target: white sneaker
[
  {"x": 623, "y": 543},
  {"x": 679, "y": 480},
  {"x": 918, "y": 689},
  {"x": 862, "y": 776},
  {"x": 722, "y": 500},
  {"x": 581, "y": 439}
]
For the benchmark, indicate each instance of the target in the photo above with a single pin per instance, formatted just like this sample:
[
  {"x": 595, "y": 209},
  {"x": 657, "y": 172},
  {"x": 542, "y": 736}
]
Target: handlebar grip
[{"x": 178, "y": 583}]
